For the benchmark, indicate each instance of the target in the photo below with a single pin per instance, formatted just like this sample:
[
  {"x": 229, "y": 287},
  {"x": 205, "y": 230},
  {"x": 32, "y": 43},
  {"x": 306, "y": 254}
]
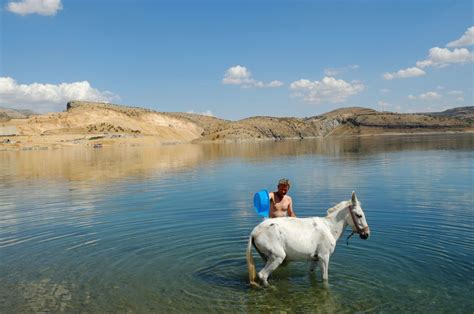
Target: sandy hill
[
  {"x": 100, "y": 118},
  {"x": 6, "y": 114},
  {"x": 84, "y": 121}
]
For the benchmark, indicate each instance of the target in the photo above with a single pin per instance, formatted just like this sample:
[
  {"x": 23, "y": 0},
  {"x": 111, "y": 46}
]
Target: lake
[{"x": 164, "y": 229}]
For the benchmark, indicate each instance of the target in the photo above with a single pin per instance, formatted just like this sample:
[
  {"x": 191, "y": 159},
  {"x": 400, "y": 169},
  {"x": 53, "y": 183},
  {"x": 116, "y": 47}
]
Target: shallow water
[{"x": 165, "y": 229}]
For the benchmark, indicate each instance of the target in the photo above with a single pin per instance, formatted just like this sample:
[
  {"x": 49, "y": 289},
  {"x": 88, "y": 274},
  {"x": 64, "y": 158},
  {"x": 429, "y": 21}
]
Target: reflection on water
[
  {"x": 165, "y": 229},
  {"x": 111, "y": 163},
  {"x": 106, "y": 164}
]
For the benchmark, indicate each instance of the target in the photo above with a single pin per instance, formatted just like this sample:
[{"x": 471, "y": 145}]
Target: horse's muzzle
[{"x": 364, "y": 235}]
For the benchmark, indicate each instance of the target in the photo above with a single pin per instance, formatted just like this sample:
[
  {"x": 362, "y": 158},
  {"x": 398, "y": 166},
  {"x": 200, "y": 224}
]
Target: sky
[{"x": 235, "y": 59}]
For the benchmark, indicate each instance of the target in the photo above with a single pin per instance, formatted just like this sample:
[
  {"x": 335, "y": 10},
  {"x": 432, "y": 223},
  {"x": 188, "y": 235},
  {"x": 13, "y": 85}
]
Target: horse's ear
[{"x": 354, "y": 198}]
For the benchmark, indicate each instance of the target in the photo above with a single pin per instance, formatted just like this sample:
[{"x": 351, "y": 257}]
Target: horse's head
[{"x": 357, "y": 219}]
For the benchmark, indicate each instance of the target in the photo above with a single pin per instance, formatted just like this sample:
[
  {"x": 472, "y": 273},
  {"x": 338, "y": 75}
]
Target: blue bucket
[{"x": 261, "y": 201}]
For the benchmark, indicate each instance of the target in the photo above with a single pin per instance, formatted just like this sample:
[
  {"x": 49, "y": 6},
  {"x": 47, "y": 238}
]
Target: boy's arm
[
  {"x": 291, "y": 213},
  {"x": 270, "y": 213}
]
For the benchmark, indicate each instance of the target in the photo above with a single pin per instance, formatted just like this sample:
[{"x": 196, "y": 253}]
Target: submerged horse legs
[
  {"x": 312, "y": 265},
  {"x": 324, "y": 264},
  {"x": 272, "y": 263}
]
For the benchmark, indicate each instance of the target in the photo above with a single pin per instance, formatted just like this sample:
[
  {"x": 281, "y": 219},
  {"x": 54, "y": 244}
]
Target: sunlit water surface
[{"x": 165, "y": 229}]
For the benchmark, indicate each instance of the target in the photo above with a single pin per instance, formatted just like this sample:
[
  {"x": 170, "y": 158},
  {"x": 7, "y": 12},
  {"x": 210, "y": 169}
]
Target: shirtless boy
[{"x": 281, "y": 204}]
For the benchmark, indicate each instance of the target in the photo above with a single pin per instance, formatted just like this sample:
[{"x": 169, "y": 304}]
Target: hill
[
  {"x": 6, "y": 114},
  {"x": 102, "y": 123},
  {"x": 101, "y": 118},
  {"x": 463, "y": 113},
  {"x": 340, "y": 122}
]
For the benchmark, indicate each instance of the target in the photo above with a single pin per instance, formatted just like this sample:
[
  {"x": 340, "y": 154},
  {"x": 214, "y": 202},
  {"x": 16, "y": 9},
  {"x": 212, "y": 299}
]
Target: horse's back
[{"x": 298, "y": 237}]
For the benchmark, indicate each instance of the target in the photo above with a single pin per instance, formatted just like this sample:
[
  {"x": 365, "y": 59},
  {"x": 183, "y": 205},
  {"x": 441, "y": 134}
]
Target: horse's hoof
[{"x": 255, "y": 285}]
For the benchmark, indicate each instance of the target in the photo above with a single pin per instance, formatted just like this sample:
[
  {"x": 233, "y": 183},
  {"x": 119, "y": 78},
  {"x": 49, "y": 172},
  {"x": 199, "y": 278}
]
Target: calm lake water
[{"x": 165, "y": 229}]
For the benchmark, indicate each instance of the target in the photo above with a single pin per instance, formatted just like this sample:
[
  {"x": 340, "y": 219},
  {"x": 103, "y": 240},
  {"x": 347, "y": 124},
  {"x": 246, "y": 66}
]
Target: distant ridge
[
  {"x": 104, "y": 120},
  {"x": 463, "y": 113},
  {"x": 7, "y": 114}
]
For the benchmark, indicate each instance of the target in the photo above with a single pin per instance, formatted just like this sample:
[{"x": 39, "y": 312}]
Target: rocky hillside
[
  {"x": 87, "y": 120},
  {"x": 346, "y": 121}
]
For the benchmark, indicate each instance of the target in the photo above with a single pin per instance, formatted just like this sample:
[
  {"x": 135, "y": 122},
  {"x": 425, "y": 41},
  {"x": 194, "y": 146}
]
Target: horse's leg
[
  {"x": 324, "y": 263},
  {"x": 264, "y": 258},
  {"x": 312, "y": 263},
  {"x": 272, "y": 263}
]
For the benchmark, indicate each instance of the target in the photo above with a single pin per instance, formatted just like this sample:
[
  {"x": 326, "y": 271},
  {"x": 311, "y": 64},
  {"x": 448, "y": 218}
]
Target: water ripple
[{"x": 141, "y": 235}]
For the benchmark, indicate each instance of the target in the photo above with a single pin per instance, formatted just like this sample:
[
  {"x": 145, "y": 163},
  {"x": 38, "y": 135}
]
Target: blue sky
[{"x": 235, "y": 59}]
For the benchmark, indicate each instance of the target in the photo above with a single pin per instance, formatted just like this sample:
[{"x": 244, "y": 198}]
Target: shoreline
[{"x": 96, "y": 141}]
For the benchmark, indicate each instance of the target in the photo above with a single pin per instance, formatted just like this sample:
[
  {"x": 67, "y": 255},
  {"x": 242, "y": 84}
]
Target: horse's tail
[{"x": 251, "y": 263}]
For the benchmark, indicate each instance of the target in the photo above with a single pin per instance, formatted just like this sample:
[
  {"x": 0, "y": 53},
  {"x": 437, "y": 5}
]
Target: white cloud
[
  {"x": 275, "y": 84},
  {"x": 331, "y": 72},
  {"x": 441, "y": 57},
  {"x": 204, "y": 113},
  {"x": 455, "y": 92},
  {"x": 385, "y": 90},
  {"x": 425, "y": 96},
  {"x": 467, "y": 39},
  {"x": 41, "y": 7},
  {"x": 240, "y": 75},
  {"x": 237, "y": 75},
  {"x": 456, "y": 95},
  {"x": 329, "y": 89},
  {"x": 337, "y": 71},
  {"x": 48, "y": 97},
  {"x": 410, "y": 72}
]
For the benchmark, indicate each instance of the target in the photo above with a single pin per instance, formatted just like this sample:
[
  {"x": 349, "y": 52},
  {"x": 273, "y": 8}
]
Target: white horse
[{"x": 296, "y": 239}]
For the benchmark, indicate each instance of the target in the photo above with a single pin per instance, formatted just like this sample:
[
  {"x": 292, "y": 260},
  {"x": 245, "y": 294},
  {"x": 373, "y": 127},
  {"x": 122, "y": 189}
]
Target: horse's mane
[{"x": 337, "y": 207}]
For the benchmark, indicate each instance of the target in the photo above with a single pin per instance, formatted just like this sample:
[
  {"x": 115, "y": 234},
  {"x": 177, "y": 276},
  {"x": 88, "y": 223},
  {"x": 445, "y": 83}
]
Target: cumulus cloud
[
  {"x": 441, "y": 57},
  {"x": 240, "y": 75},
  {"x": 275, "y": 84},
  {"x": 337, "y": 71},
  {"x": 41, "y": 7},
  {"x": 425, "y": 96},
  {"x": 329, "y": 89},
  {"x": 237, "y": 75},
  {"x": 467, "y": 39},
  {"x": 410, "y": 72},
  {"x": 452, "y": 95},
  {"x": 48, "y": 97}
]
